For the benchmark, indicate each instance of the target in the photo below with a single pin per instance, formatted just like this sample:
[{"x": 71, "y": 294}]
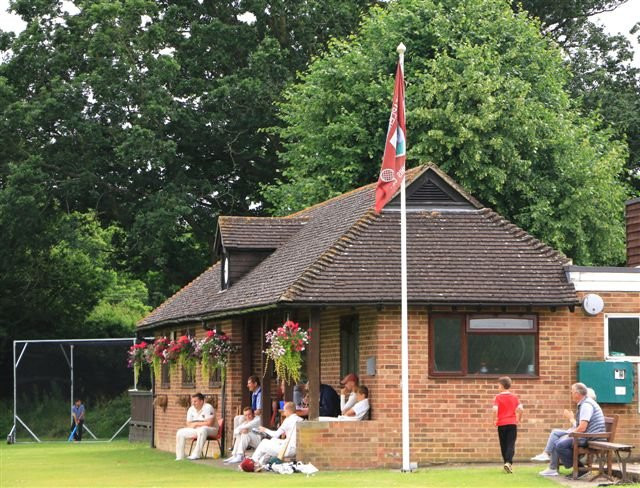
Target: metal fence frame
[{"x": 11, "y": 437}]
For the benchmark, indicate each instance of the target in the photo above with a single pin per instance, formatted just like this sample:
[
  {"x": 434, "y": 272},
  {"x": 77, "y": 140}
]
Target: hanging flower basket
[
  {"x": 285, "y": 348},
  {"x": 215, "y": 350},
  {"x": 136, "y": 359},
  {"x": 156, "y": 357},
  {"x": 184, "y": 351},
  {"x": 188, "y": 354}
]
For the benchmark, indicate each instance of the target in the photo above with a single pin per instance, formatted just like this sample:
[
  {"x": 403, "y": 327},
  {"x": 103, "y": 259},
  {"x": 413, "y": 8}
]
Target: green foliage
[
  {"x": 603, "y": 78},
  {"x": 486, "y": 101},
  {"x": 142, "y": 118},
  {"x": 122, "y": 304}
]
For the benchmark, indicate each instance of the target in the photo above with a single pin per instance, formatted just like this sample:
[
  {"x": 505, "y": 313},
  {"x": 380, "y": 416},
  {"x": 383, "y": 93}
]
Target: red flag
[{"x": 392, "y": 171}]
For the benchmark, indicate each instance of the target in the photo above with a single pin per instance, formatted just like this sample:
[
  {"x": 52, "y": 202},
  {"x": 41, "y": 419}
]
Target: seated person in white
[
  {"x": 358, "y": 411},
  {"x": 348, "y": 397},
  {"x": 271, "y": 447},
  {"x": 244, "y": 436},
  {"x": 253, "y": 385},
  {"x": 201, "y": 424}
]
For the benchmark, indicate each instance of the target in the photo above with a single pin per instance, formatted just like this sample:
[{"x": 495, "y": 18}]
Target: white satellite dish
[{"x": 592, "y": 304}]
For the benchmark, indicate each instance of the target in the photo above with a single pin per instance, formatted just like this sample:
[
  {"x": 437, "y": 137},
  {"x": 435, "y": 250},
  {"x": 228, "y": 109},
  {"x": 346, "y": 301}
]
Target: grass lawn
[{"x": 121, "y": 464}]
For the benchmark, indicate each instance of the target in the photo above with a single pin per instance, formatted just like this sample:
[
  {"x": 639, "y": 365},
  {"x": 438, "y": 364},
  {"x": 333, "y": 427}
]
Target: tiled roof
[
  {"x": 345, "y": 253},
  {"x": 193, "y": 300},
  {"x": 456, "y": 257},
  {"x": 257, "y": 232}
]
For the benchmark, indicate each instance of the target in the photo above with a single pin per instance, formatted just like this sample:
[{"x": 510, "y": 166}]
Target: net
[{"x": 51, "y": 375}]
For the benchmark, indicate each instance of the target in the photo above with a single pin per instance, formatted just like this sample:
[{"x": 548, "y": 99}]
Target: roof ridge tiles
[{"x": 410, "y": 174}]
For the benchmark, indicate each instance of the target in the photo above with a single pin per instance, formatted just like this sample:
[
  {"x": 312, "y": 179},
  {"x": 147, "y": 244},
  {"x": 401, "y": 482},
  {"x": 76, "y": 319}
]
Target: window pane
[
  {"x": 349, "y": 350},
  {"x": 501, "y": 323},
  {"x": 501, "y": 354},
  {"x": 624, "y": 336},
  {"x": 166, "y": 378},
  {"x": 447, "y": 344}
]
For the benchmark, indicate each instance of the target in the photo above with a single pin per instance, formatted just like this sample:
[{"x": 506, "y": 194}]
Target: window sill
[
  {"x": 475, "y": 376},
  {"x": 623, "y": 359}
]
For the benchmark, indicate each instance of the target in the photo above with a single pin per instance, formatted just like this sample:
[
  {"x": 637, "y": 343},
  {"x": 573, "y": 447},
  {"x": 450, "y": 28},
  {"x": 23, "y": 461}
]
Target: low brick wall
[{"x": 349, "y": 445}]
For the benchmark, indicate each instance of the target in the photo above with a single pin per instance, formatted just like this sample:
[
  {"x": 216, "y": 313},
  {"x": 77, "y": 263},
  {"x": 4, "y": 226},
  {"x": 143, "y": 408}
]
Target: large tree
[
  {"x": 126, "y": 127},
  {"x": 603, "y": 77},
  {"x": 486, "y": 100},
  {"x": 151, "y": 112}
]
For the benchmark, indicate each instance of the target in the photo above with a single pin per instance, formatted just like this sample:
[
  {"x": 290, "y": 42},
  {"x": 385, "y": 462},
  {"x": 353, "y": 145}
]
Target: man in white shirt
[
  {"x": 201, "y": 419},
  {"x": 272, "y": 447},
  {"x": 348, "y": 393},
  {"x": 358, "y": 411},
  {"x": 244, "y": 436},
  {"x": 253, "y": 385}
]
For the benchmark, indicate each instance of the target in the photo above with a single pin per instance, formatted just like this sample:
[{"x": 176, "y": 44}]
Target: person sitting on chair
[
  {"x": 348, "y": 393},
  {"x": 590, "y": 420},
  {"x": 358, "y": 411},
  {"x": 201, "y": 418},
  {"x": 275, "y": 446},
  {"x": 557, "y": 434},
  {"x": 244, "y": 436}
]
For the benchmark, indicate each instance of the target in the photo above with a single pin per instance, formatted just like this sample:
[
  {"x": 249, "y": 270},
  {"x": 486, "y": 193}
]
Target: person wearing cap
[{"x": 348, "y": 397}]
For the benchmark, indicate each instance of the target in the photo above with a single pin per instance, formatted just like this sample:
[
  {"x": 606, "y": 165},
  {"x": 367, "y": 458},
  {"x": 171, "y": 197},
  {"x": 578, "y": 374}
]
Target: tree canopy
[
  {"x": 487, "y": 100},
  {"x": 603, "y": 78},
  {"x": 126, "y": 128}
]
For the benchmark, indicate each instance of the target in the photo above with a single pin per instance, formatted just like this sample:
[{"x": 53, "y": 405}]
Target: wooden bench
[
  {"x": 604, "y": 449},
  {"x": 610, "y": 424}
]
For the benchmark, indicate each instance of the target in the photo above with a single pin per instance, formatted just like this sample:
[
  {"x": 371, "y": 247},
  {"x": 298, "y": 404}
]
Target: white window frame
[{"x": 607, "y": 316}]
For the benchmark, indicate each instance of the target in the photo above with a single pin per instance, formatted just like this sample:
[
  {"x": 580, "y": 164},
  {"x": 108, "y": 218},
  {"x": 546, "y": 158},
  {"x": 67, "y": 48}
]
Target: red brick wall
[
  {"x": 591, "y": 348},
  {"x": 450, "y": 418},
  {"x": 173, "y": 417}
]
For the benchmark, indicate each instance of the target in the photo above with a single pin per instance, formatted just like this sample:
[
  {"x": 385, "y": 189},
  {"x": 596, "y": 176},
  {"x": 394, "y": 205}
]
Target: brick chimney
[{"x": 633, "y": 232}]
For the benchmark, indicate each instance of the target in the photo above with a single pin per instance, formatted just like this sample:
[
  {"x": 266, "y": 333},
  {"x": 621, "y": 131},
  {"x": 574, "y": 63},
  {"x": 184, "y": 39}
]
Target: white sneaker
[
  {"x": 193, "y": 458},
  {"x": 549, "y": 472},
  {"x": 541, "y": 458},
  {"x": 234, "y": 460}
]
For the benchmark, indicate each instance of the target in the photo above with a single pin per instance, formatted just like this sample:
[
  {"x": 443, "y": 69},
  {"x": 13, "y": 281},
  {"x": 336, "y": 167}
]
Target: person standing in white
[
  {"x": 201, "y": 419},
  {"x": 272, "y": 447},
  {"x": 244, "y": 436}
]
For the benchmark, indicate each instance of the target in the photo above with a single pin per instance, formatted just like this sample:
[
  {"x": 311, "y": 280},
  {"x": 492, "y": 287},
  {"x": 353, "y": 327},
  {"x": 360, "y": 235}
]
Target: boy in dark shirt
[{"x": 507, "y": 414}]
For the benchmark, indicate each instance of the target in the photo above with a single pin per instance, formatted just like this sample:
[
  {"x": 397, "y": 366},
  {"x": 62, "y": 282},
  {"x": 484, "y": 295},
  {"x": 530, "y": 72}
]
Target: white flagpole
[{"x": 406, "y": 464}]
